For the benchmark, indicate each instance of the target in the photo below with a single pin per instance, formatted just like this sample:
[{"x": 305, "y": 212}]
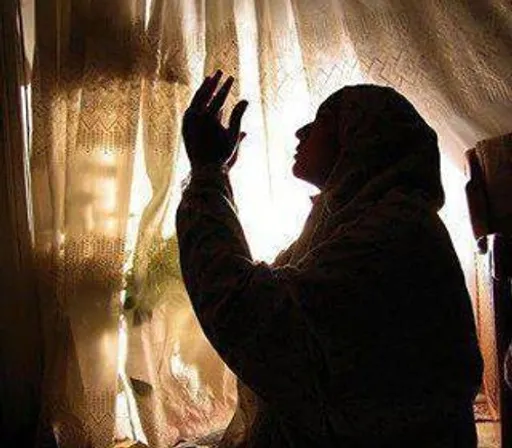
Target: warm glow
[
  {"x": 187, "y": 375},
  {"x": 140, "y": 196},
  {"x": 147, "y": 12},
  {"x": 123, "y": 424},
  {"x": 455, "y": 215},
  {"x": 128, "y": 423},
  {"x": 272, "y": 204},
  {"x": 127, "y": 418},
  {"x": 100, "y": 214}
]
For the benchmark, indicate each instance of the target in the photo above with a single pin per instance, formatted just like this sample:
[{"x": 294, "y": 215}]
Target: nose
[{"x": 303, "y": 132}]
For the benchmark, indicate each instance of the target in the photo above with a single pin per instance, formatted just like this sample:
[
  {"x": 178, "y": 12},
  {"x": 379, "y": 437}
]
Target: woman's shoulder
[{"x": 395, "y": 217}]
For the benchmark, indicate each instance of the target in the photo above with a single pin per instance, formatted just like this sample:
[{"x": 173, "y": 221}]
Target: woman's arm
[{"x": 250, "y": 312}]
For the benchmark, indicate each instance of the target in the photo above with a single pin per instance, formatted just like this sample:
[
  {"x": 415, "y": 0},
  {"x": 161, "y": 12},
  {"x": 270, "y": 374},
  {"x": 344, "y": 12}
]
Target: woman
[{"x": 361, "y": 334}]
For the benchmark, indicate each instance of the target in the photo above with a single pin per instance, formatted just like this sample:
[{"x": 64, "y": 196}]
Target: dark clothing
[
  {"x": 369, "y": 336},
  {"x": 361, "y": 334}
]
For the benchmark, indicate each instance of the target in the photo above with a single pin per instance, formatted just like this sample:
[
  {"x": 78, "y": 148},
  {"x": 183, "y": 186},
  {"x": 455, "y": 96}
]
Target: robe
[
  {"x": 362, "y": 333},
  {"x": 365, "y": 338}
]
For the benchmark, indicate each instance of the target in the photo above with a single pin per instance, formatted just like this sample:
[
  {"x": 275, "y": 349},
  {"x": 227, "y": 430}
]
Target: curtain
[
  {"x": 20, "y": 359},
  {"x": 86, "y": 101},
  {"x": 124, "y": 355}
]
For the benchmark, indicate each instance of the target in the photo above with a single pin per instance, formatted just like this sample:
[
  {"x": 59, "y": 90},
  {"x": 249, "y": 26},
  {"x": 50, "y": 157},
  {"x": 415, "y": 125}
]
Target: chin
[{"x": 299, "y": 173}]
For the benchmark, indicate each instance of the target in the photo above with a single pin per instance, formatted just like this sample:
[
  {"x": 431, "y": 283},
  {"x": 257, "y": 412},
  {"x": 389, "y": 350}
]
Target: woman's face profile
[{"x": 318, "y": 149}]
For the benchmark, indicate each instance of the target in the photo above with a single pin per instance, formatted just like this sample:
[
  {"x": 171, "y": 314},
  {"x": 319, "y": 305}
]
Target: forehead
[
  {"x": 334, "y": 104},
  {"x": 327, "y": 106},
  {"x": 327, "y": 114},
  {"x": 326, "y": 110}
]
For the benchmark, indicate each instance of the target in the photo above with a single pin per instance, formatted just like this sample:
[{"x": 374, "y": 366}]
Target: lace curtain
[{"x": 110, "y": 82}]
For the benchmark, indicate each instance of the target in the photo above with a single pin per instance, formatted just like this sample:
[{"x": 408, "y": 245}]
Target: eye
[{"x": 324, "y": 123}]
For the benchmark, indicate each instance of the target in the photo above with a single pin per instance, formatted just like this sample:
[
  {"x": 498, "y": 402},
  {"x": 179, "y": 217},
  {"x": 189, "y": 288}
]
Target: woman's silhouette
[{"x": 361, "y": 334}]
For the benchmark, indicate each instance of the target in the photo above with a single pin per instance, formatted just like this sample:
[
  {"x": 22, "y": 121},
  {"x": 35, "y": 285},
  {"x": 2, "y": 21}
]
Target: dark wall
[{"x": 20, "y": 341}]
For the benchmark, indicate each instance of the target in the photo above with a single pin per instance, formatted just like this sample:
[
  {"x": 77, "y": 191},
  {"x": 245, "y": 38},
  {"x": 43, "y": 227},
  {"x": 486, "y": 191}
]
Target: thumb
[
  {"x": 235, "y": 120},
  {"x": 241, "y": 137}
]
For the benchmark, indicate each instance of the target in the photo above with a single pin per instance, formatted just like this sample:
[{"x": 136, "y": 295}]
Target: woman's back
[{"x": 396, "y": 352}]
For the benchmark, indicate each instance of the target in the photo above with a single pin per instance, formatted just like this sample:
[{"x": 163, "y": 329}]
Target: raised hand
[{"x": 207, "y": 141}]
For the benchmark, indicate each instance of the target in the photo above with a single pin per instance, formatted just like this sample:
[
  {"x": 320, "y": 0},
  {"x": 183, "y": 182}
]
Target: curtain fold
[
  {"x": 20, "y": 347},
  {"x": 166, "y": 350},
  {"x": 328, "y": 55},
  {"x": 110, "y": 83},
  {"x": 86, "y": 95},
  {"x": 459, "y": 57}
]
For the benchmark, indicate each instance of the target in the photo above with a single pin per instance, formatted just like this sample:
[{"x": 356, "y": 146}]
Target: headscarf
[
  {"x": 384, "y": 146},
  {"x": 384, "y": 143}
]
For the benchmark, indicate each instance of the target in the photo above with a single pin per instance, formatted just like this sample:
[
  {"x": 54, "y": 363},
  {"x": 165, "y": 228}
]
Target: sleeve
[{"x": 253, "y": 314}]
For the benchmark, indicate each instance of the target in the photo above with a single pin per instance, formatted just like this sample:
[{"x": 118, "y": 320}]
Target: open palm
[{"x": 207, "y": 141}]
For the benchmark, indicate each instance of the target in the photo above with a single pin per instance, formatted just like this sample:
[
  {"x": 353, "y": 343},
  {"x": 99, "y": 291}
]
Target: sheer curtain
[
  {"x": 123, "y": 352},
  {"x": 86, "y": 98}
]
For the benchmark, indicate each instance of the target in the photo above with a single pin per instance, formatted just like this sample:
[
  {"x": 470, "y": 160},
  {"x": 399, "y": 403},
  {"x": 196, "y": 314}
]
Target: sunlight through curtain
[{"x": 110, "y": 83}]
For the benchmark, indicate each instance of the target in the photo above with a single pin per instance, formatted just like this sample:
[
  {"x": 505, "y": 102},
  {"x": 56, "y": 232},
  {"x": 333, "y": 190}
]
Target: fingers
[
  {"x": 205, "y": 91},
  {"x": 198, "y": 98},
  {"x": 219, "y": 99},
  {"x": 204, "y": 94},
  {"x": 203, "y": 102},
  {"x": 235, "y": 120}
]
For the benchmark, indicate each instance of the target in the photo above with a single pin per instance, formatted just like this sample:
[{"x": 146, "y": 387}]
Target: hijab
[
  {"x": 384, "y": 146},
  {"x": 384, "y": 143}
]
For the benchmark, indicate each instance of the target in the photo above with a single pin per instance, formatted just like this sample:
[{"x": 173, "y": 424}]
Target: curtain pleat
[
  {"x": 182, "y": 388},
  {"x": 327, "y": 51},
  {"x": 86, "y": 95},
  {"x": 20, "y": 346},
  {"x": 221, "y": 44}
]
